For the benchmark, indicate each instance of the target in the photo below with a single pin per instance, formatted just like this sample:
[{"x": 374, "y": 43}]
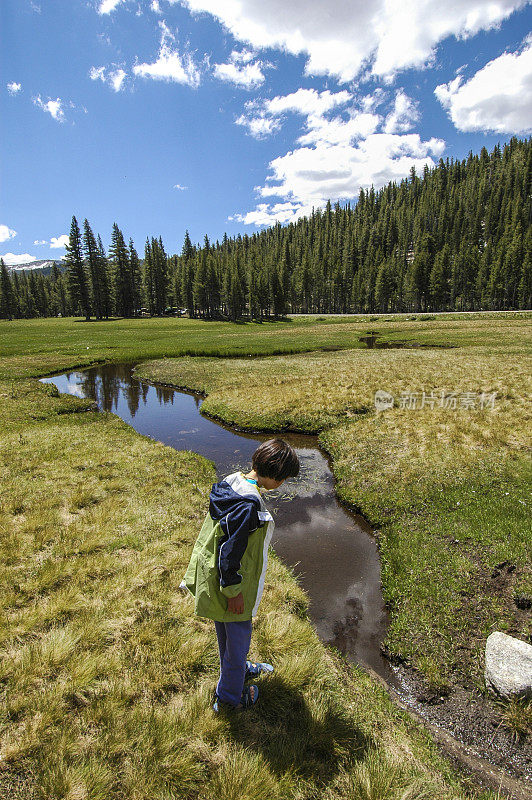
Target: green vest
[{"x": 203, "y": 581}]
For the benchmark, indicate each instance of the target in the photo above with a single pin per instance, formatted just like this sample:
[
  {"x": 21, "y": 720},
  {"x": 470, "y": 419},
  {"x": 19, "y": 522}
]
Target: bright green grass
[{"x": 43, "y": 346}]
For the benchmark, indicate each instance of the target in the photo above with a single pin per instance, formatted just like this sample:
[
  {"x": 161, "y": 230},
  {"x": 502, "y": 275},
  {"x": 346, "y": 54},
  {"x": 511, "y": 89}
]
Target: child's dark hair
[{"x": 275, "y": 459}]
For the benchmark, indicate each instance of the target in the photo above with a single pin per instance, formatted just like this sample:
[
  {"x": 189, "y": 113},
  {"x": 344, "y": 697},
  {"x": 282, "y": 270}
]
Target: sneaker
[
  {"x": 250, "y": 695},
  {"x": 256, "y": 668}
]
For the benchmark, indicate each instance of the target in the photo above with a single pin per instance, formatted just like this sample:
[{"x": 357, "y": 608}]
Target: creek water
[{"x": 332, "y": 551}]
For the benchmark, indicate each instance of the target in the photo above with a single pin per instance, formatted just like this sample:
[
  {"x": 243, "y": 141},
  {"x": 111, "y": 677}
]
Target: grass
[
  {"x": 447, "y": 490},
  {"x": 105, "y": 675},
  {"x": 37, "y": 347},
  {"x": 517, "y": 717}
]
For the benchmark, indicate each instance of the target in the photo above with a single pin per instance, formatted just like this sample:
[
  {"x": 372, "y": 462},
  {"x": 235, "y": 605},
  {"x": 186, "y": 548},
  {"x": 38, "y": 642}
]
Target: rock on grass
[{"x": 508, "y": 665}]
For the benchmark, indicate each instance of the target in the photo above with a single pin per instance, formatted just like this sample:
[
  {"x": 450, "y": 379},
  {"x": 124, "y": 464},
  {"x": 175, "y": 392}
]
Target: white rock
[{"x": 508, "y": 665}]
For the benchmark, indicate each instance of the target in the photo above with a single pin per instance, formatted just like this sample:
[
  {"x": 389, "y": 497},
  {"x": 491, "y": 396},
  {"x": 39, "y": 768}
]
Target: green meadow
[
  {"x": 106, "y": 675},
  {"x": 43, "y": 346}
]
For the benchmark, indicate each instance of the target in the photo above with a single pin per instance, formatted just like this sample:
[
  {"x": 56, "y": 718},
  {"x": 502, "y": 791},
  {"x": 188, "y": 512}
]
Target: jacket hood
[{"x": 223, "y": 498}]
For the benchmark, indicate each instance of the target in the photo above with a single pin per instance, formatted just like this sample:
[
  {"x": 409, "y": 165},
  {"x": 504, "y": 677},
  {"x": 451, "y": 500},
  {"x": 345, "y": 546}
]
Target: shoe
[
  {"x": 246, "y": 702},
  {"x": 256, "y": 668},
  {"x": 247, "y": 699},
  {"x": 220, "y": 705}
]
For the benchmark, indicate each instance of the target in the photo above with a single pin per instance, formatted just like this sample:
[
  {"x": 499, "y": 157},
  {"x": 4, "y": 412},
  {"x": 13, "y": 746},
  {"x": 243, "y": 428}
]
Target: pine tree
[
  {"x": 439, "y": 281},
  {"x": 277, "y": 294},
  {"x": 253, "y": 293},
  {"x": 77, "y": 278},
  {"x": 384, "y": 287},
  {"x": 187, "y": 275},
  {"x": 40, "y": 294},
  {"x": 136, "y": 282},
  {"x": 7, "y": 303},
  {"x": 213, "y": 287},
  {"x": 525, "y": 283},
  {"x": 148, "y": 280},
  {"x": 94, "y": 264},
  {"x": 15, "y": 286},
  {"x": 199, "y": 289},
  {"x": 105, "y": 281},
  {"x": 285, "y": 274},
  {"x": 159, "y": 275},
  {"x": 122, "y": 284},
  {"x": 459, "y": 236}
]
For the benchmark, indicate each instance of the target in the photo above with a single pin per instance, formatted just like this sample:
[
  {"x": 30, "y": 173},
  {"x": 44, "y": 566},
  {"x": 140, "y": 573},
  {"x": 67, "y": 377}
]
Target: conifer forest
[{"x": 456, "y": 238}]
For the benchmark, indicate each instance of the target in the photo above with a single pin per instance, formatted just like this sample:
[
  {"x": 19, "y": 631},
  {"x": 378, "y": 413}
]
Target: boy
[{"x": 228, "y": 564}]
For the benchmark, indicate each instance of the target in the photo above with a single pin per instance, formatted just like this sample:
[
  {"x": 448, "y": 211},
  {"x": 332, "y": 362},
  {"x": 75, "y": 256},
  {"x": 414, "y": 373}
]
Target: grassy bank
[
  {"x": 106, "y": 677},
  {"x": 447, "y": 489}
]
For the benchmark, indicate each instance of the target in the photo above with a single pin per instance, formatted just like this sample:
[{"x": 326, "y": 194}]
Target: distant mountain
[{"x": 44, "y": 265}]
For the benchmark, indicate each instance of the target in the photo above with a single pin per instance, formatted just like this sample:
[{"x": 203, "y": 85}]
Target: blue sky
[{"x": 226, "y": 115}]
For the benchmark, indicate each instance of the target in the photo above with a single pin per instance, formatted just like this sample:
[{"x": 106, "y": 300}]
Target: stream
[{"x": 332, "y": 551}]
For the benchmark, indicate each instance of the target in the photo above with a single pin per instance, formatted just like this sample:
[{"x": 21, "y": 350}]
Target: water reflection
[{"x": 331, "y": 550}]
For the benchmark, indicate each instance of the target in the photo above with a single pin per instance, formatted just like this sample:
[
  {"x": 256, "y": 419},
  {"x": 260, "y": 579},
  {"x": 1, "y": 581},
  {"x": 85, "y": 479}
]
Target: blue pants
[{"x": 234, "y": 639}]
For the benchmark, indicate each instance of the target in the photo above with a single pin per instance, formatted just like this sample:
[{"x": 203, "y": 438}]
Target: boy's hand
[{"x": 236, "y": 604}]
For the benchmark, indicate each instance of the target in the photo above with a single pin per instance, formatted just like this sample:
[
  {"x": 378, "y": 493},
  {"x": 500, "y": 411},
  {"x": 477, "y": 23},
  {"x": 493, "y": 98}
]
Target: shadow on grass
[{"x": 291, "y": 736}]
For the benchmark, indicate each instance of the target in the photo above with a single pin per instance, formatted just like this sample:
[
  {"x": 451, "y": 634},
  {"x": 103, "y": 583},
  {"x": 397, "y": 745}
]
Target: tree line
[{"x": 456, "y": 238}]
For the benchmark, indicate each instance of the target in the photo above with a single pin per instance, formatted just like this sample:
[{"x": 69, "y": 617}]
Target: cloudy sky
[{"x": 227, "y": 115}]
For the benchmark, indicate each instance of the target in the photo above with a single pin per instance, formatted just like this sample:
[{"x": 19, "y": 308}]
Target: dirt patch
[
  {"x": 490, "y": 584},
  {"x": 474, "y": 720},
  {"x": 371, "y": 337}
]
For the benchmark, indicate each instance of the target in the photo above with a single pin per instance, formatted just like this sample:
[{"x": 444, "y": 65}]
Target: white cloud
[
  {"x": 6, "y": 233},
  {"x": 403, "y": 114},
  {"x": 312, "y": 175},
  {"x": 113, "y": 77},
  {"x": 307, "y": 101},
  {"x": 497, "y": 98},
  {"x": 342, "y": 37},
  {"x": 345, "y": 146},
  {"x": 53, "y": 107},
  {"x": 263, "y": 118},
  {"x": 155, "y": 7},
  {"x": 13, "y": 88},
  {"x": 106, "y": 6},
  {"x": 170, "y": 65},
  {"x": 12, "y": 259},
  {"x": 240, "y": 71},
  {"x": 39, "y": 242},
  {"x": 259, "y": 126},
  {"x": 337, "y": 130},
  {"x": 97, "y": 74},
  {"x": 372, "y": 101},
  {"x": 178, "y": 186},
  {"x": 266, "y": 214},
  {"x": 57, "y": 242}
]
